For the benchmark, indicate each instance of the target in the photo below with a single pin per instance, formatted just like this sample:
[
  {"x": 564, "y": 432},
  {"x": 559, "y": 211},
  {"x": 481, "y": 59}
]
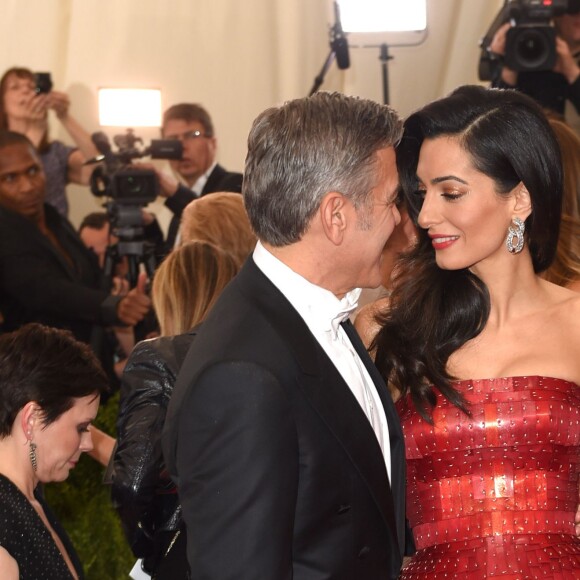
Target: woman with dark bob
[
  {"x": 482, "y": 353},
  {"x": 50, "y": 385}
]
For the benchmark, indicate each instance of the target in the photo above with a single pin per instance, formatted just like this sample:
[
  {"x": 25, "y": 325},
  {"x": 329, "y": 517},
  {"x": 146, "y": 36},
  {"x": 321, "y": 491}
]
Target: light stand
[
  {"x": 338, "y": 50},
  {"x": 369, "y": 24},
  {"x": 385, "y": 57}
]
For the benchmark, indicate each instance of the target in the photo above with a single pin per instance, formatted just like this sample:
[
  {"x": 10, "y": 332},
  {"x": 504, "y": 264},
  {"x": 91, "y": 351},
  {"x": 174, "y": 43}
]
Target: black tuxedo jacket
[
  {"x": 279, "y": 472},
  {"x": 218, "y": 180}
]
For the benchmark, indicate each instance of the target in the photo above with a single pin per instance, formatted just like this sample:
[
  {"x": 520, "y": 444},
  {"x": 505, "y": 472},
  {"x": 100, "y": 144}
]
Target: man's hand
[
  {"x": 497, "y": 46},
  {"x": 566, "y": 64},
  {"x": 135, "y": 305}
]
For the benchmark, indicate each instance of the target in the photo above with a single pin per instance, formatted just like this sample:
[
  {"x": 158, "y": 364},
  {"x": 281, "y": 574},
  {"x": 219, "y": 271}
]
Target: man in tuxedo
[
  {"x": 280, "y": 434},
  {"x": 192, "y": 125}
]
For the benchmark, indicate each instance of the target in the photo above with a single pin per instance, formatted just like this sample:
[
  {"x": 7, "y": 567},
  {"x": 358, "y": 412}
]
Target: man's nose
[{"x": 26, "y": 184}]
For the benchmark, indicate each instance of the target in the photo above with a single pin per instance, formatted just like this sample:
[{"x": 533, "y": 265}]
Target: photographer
[
  {"x": 550, "y": 88},
  {"x": 24, "y": 108},
  {"x": 47, "y": 275},
  {"x": 198, "y": 169}
]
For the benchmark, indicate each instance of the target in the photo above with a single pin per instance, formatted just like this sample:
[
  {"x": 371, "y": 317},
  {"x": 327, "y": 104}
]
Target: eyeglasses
[{"x": 188, "y": 135}]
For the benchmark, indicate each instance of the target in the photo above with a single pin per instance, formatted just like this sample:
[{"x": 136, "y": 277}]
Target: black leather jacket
[{"x": 142, "y": 492}]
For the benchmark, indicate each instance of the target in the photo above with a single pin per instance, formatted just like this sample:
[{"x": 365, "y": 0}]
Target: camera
[
  {"x": 118, "y": 179},
  {"x": 42, "y": 82},
  {"x": 129, "y": 189},
  {"x": 531, "y": 41}
]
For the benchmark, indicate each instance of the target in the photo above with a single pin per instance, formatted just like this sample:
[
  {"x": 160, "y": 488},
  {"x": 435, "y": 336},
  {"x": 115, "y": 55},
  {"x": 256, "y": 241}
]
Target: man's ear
[
  {"x": 523, "y": 202},
  {"x": 333, "y": 216}
]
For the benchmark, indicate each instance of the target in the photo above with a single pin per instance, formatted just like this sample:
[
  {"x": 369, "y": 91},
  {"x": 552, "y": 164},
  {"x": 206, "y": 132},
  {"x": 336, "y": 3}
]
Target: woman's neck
[
  {"x": 514, "y": 288},
  {"x": 16, "y": 467},
  {"x": 33, "y": 130}
]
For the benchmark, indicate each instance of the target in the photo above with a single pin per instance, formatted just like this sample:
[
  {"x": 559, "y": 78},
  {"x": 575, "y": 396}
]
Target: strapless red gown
[{"x": 494, "y": 495}]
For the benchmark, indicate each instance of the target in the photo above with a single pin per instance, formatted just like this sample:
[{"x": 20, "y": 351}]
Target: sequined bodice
[
  {"x": 25, "y": 537},
  {"x": 494, "y": 494}
]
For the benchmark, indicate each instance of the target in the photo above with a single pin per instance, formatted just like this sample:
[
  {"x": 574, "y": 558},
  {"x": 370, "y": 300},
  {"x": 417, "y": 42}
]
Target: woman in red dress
[{"x": 483, "y": 354}]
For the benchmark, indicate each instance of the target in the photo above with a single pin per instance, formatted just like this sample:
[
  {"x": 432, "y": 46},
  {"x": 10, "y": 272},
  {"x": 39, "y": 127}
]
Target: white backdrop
[{"x": 236, "y": 57}]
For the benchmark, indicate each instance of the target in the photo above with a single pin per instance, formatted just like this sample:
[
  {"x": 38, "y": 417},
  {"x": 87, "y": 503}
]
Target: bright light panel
[
  {"x": 130, "y": 107},
  {"x": 383, "y": 15}
]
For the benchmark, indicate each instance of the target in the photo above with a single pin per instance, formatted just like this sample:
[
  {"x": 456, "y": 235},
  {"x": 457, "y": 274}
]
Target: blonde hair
[
  {"x": 565, "y": 268},
  {"x": 221, "y": 219},
  {"x": 188, "y": 282}
]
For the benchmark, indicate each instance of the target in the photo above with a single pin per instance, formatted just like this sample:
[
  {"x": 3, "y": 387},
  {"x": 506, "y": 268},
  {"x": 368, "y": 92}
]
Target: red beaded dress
[{"x": 494, "y": 495}]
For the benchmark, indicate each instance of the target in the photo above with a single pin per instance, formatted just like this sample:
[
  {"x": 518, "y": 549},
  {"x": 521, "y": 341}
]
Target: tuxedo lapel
[
  {"x": 213, "y": 180},
  {"x": 324, "y": 388},
  {"x": 396, "y": 438},
  {"x": 395, "y": 432}
]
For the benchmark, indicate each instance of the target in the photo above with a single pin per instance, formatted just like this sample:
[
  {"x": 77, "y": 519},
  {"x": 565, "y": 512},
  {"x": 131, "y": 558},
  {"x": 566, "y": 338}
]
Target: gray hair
[{"x": 302, "y": 150}]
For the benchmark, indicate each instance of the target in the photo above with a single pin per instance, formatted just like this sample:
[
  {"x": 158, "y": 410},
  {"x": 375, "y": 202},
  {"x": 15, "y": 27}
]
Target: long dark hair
[{"x": 433, "y": 312}]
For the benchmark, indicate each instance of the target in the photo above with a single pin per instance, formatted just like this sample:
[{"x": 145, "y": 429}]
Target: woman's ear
[
  {"x": 523, "y": 202},
  {"x": 29, "y": 417},
  {"x": 333, "y": 216}
]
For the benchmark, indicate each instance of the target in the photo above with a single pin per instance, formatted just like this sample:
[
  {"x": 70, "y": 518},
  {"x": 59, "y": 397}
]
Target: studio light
[
  {"x": 129, "y": 107},
  {"x": 370, "y": 16},
  {"x": 384, "y": 24}
]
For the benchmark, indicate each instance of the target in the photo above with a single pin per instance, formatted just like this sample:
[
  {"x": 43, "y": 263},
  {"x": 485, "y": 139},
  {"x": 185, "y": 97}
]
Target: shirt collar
[
  {"x": 319, "y": 307},
  {"x": 198, "y": 186}
]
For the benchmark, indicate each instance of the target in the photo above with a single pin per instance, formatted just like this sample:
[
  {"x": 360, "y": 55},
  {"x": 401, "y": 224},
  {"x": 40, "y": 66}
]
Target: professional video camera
[
  {"x": 531, "y": 42},
  {"x": 128, "y": 189}
]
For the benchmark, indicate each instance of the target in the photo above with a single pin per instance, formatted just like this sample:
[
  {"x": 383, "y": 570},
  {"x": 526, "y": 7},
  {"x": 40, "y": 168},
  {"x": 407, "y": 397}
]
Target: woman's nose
[{"x": 427, "y": 216}]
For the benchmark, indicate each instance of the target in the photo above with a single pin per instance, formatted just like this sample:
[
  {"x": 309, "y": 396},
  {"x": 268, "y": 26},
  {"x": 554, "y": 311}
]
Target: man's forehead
[
  {"x": 172, "y": 124},
  {"x": 17, "y": 155}
]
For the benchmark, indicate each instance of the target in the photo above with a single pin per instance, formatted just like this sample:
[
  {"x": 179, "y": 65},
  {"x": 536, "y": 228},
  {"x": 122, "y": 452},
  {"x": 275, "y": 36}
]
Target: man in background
[
  {"x": 197, "y": 169},
  {"x": 47, "y": 274}
]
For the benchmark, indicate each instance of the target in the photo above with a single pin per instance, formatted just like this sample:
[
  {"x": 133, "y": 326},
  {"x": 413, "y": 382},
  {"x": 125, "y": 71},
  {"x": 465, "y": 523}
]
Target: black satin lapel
[
  {"x": 339, "y": 409},
  {"x": 395, "y": 431},
  {"x": 396, "y": 438},
  {"x": 324, "y": 388}
]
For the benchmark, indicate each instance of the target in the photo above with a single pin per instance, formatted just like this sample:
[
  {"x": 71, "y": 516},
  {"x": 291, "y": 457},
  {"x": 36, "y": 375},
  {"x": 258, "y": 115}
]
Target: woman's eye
[{"x": 452, "y": 195}]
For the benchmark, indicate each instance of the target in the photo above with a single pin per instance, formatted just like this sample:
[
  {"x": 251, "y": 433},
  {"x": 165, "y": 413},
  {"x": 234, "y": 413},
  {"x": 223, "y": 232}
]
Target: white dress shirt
[
  {"x": 198, "y": 186},
  {"x": 196, "y": 189},
  {"x": 323, "y": 312}
]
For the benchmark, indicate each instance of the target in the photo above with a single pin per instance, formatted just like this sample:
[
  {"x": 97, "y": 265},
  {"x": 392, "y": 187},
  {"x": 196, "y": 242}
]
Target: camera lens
[
  {"x": 532, "y": 48},
  {"x": 134, "y": 185}
]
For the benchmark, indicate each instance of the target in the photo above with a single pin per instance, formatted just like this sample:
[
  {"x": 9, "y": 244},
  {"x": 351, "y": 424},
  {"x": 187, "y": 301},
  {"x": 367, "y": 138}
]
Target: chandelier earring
[
  {"x": 515, "y": 237},
  {"x": 32, "y": 455}
]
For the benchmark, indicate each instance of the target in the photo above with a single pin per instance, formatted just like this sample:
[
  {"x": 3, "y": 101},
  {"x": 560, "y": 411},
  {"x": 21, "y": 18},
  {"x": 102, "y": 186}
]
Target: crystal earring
[
  {"x": 32, "y": 455},
  {"x": 516, "y": 232}
]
